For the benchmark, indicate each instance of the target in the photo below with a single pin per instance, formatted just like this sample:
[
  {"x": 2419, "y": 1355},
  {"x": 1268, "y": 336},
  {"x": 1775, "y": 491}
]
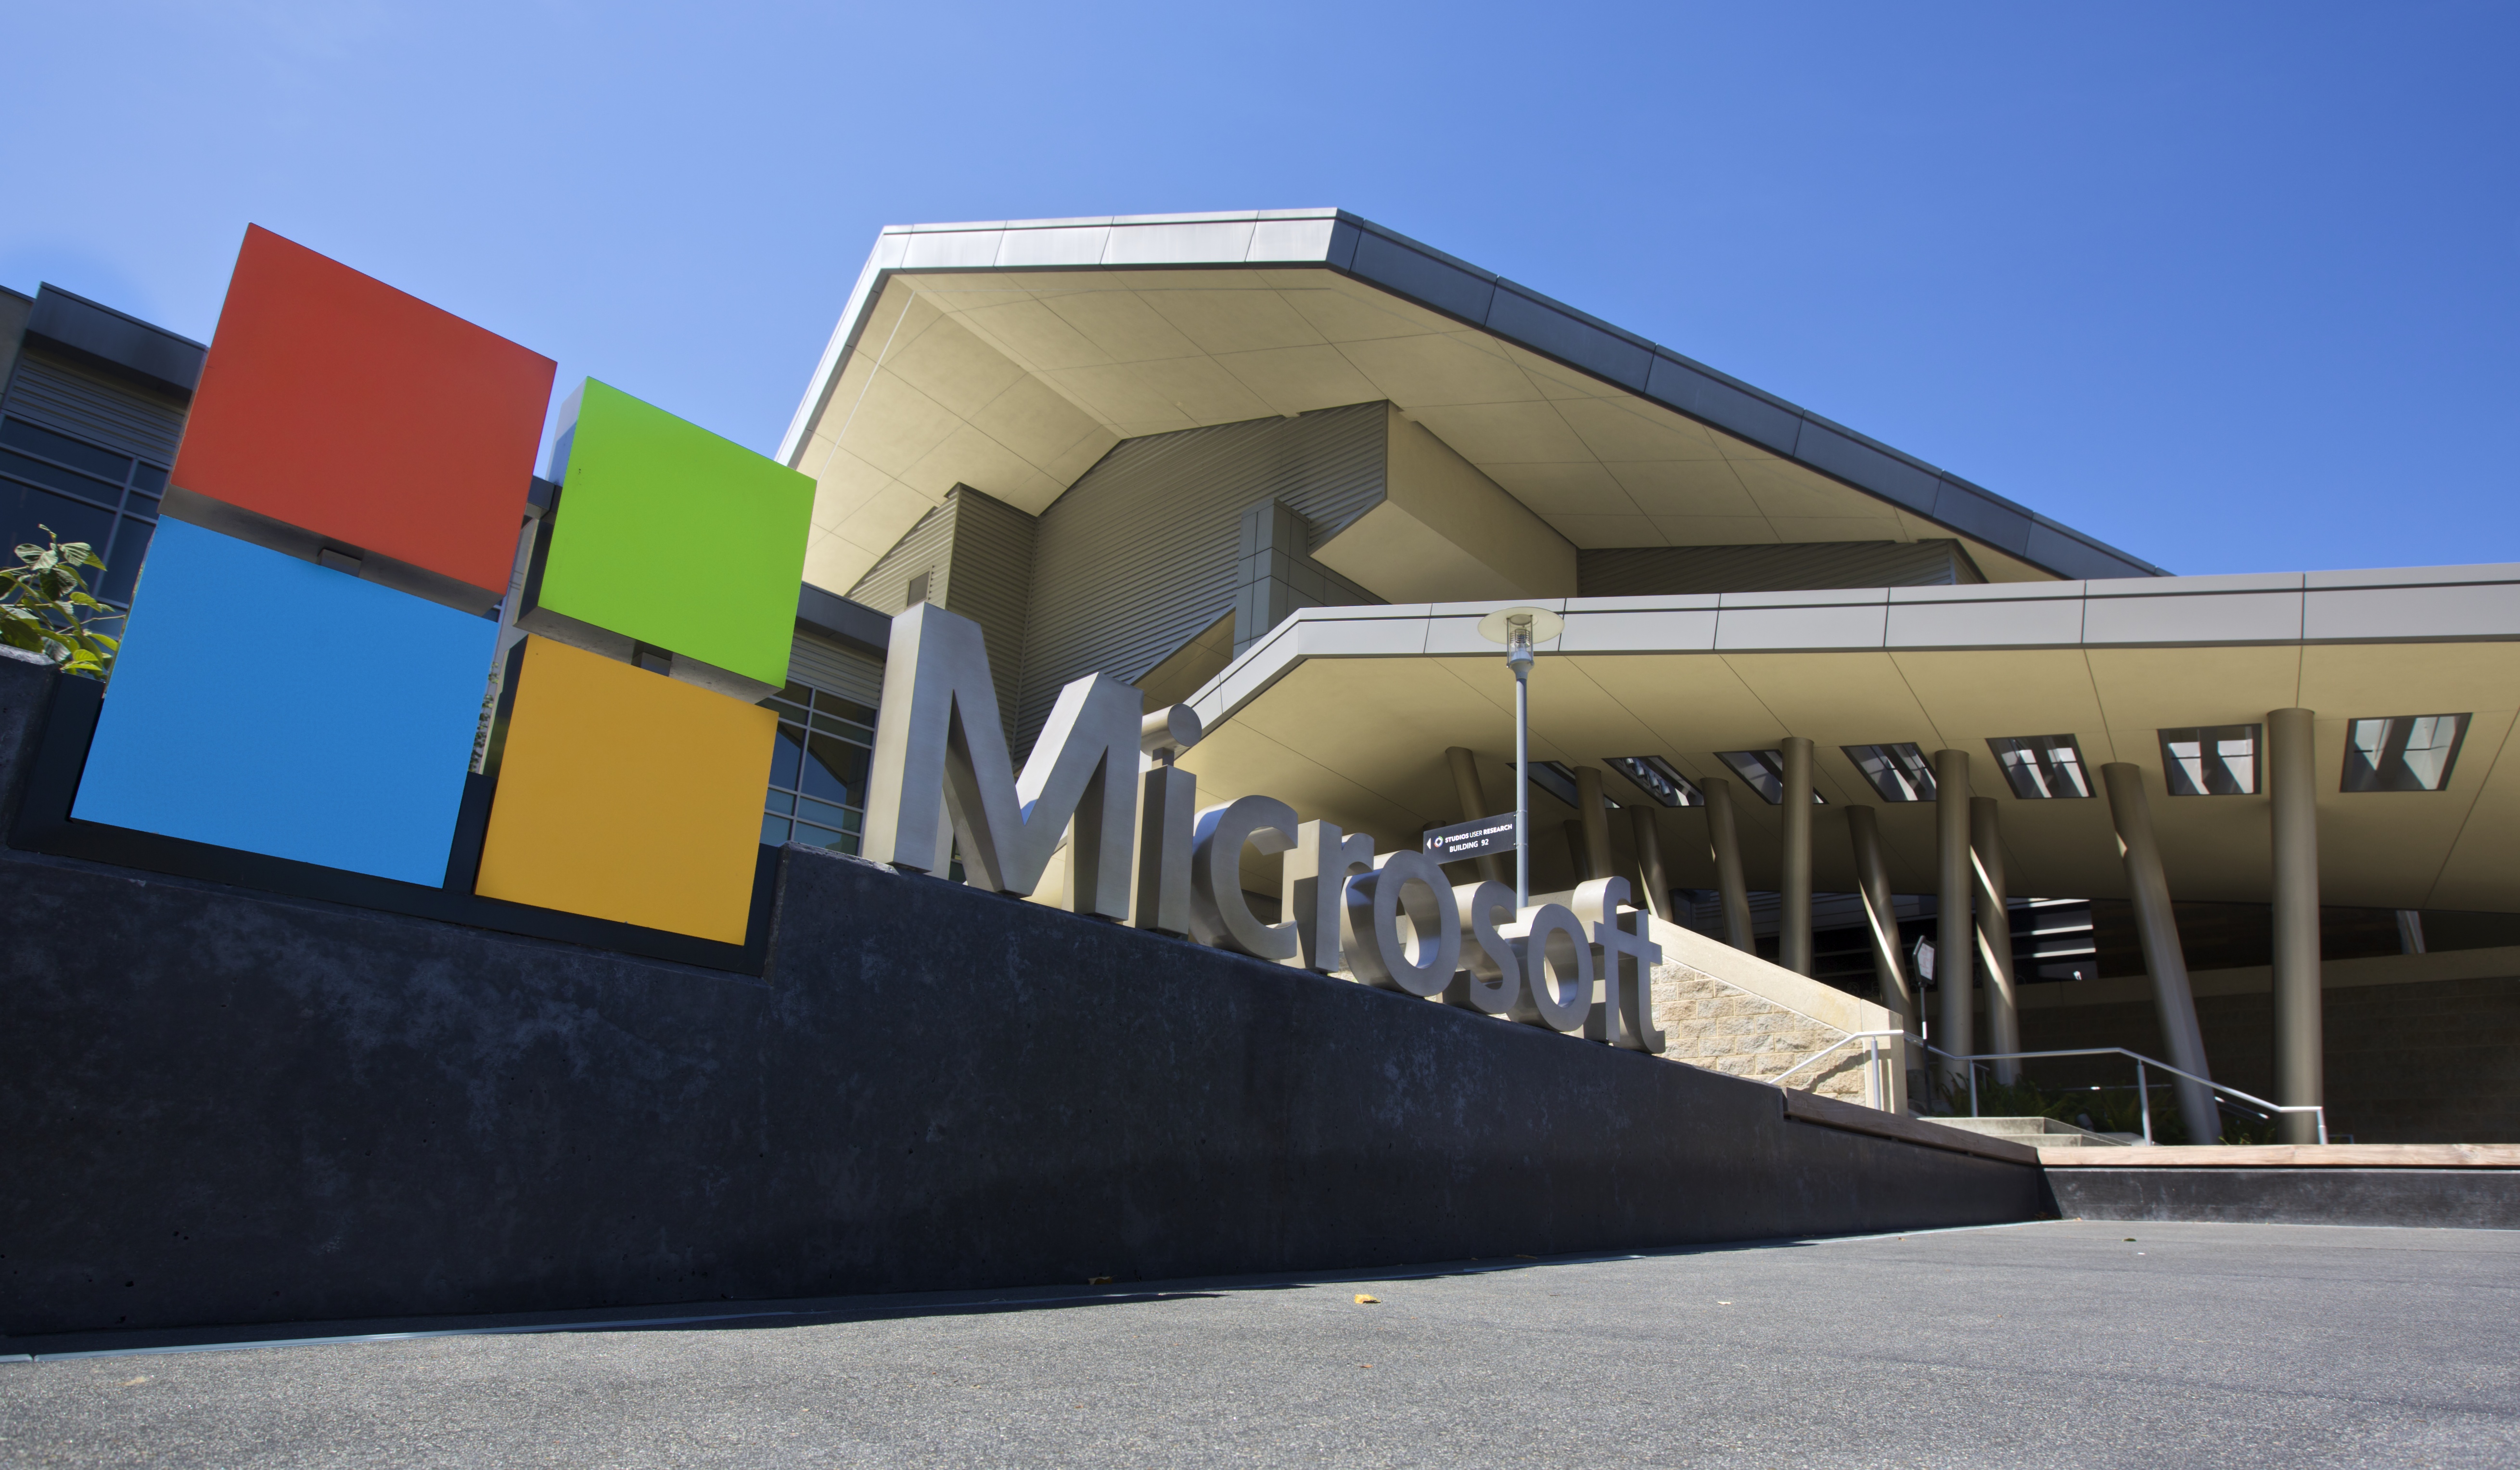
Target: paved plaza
[{"x": 2061, "y": 1343}]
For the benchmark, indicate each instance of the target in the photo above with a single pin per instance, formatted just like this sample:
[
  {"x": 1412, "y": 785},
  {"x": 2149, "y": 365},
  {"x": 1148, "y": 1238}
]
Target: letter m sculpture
[{"x": 937, "y": 734}]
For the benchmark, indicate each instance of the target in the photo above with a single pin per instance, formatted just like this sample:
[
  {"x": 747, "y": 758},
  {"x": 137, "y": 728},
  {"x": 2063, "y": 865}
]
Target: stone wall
[{"x": 1725, "y": 1028}]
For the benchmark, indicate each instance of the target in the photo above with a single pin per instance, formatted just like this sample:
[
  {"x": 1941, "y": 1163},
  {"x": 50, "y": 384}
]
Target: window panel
[
  {"x": 1657, "y": 778},
  {"x": 1899, "y": 772},
  {"x": 122, "y": 562},
  {"x": 58, "y": 479},
  {"x": 2211, "y": 760},
  {"x": 2041, "y": 767},
  {"x": 834, "y": 769},
  {"x": 1764, "y": 771},
  {"x": 2403, "y": 752},
  {"x": 785, "y": 756},
  {"x": 104, "y": 464},
  {"x": 26, "y": 510}
]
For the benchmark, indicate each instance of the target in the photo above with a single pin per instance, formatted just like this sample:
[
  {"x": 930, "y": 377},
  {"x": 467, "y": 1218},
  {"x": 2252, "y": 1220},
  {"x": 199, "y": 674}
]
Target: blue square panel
[{"x": 283, "y": 708}]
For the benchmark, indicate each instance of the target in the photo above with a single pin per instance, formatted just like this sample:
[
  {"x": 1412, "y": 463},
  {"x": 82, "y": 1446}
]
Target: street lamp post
[{"x": 1519, "y": 628}]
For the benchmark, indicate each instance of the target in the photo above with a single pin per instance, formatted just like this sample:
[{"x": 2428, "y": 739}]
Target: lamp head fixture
[{"x": 1519, "y": 629}]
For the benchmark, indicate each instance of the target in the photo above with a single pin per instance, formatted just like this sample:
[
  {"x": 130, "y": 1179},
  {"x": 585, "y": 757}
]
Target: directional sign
[{"x": 1472, "y": 839}]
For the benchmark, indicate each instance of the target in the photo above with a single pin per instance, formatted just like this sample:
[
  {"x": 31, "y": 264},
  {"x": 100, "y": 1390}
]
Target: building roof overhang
[
  {"x": 1012, "y": 355},
  {"x": 1346, "y": 713}
]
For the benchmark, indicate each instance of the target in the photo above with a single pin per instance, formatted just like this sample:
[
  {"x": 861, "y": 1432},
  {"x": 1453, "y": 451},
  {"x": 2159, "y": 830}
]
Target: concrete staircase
[{"x": 2039, "y": 1133}]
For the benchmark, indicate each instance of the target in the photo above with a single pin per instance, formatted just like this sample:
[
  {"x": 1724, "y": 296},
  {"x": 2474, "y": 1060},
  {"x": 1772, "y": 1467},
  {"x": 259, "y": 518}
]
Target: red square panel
[{"x": 336, "y": 404}]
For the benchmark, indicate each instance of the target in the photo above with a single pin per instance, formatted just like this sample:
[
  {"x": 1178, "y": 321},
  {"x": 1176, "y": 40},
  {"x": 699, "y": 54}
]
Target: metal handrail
[
  {"x": 2142, "y": 1091},
  {"x": 1871, "y": 1041}
]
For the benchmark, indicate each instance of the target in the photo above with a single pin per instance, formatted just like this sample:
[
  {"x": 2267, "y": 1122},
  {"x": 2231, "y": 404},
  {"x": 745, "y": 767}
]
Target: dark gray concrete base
[
  {"x": 219, "y": 1106},
  {"x": 2466, "y": 1198}
]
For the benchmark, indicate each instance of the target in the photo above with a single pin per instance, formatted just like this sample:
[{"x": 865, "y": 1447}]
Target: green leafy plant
[{"x": 47, "y": 610}]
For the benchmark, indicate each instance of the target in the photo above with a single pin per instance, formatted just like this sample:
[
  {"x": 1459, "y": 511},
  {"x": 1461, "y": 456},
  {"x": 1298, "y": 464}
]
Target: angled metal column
[
  {"x": 2292, "y": 789},
  {"x": 1475, "y": 804},
  {"x": 1654, "y": 882},
  {"x": 1793, "y": 923},
  {"x": 1955, "y": 934},
  {"x": 1993, "y": 934},
  {"x": 1881, "y": 923},
  {"x": 1595, "y": 816},
  {"x": 1724, "y": 842},
  {"x": 2157, "y": 926}
]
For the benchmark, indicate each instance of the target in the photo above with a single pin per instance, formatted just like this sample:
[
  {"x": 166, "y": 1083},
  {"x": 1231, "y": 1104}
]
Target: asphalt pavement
[{"x": 2061, "y": 1343}]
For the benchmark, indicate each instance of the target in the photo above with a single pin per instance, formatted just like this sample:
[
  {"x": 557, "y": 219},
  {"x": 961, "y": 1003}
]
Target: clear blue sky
[{"x": 2231, "y": 287}]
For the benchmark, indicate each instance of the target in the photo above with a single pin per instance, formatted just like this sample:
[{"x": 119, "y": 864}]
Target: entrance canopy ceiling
[
  {"x": 1010, "y": 356},
  {"x": 1346, "y": 713}
]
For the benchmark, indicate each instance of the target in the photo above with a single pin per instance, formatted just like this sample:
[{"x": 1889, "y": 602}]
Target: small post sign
[{"x": 1471, "y": 839}]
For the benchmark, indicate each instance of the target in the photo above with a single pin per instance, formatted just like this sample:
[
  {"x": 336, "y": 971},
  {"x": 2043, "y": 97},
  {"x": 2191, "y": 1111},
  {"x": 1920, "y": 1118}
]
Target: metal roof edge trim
[
  {"x": 1280, "y": 652},
  {"x": 1633, "y": 362}
]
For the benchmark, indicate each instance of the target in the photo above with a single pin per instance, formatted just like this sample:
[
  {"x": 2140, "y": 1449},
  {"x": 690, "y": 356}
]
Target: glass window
[
  {"x": 122, "y": 562},
  {"x": 818, "y": 769},
  {"x": 19, "y": 467},
  {"x": 1899, "y": 772},
  {"x": 2211, "y": 760},
  {"x": 81, "y": 487},
  {"x": 24, "y": 511},
  {"x": 2403, "y": 752},
  {"x": 2041, "y": 767},
  {"x": 1658, "y": 778},
  {"x": 61, "y": 448},
  {"x": 1763, "y": 771},
  {"x": 1557, "y": 778}
]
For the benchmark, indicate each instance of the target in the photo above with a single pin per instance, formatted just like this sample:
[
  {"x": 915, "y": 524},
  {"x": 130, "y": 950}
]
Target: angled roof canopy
[{"x": 1012, "y": 355}]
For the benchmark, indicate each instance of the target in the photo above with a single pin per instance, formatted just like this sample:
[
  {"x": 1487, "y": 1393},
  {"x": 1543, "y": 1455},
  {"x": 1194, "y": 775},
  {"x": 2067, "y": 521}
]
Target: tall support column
[
  {"x": 2157, "y": 929},
  {"x": 1475, "y": 804},
  {"x": 1652, "y": 880},
  {"x": 1955, "y": 933},
  {"x": 1793, "y": 923},
  {"x": 1881, "y": 924},
  {"x": 1993, "y": 934},
  {"x": 1579, "y": 853},
  {"x": 2292, "y": 790},
  {"x": 1595, "y": 811},
  {"x": 1724, "y": 842}
]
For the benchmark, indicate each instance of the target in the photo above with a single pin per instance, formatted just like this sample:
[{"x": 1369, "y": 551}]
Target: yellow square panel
[{"x": 626, "y": 795}]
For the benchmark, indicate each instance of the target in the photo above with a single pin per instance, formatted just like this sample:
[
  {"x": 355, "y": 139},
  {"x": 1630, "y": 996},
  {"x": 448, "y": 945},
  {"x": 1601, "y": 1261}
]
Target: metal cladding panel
[
  {"x": 825, "y": 665},
  {"x": 1968, "y": 509},
  {"x": 1563, "y": 334},
  {"x": 1876, "y": 469},
  {"x": 991, "y": 584},
  {"x": 1412, "y": 272},
  {"x": 1700, "y": 394},
  {"x": 2060, "y": 550},
  {"x": 1663, "y": 571},
  {"x": 13, "y": 308},
  {"x": 110, "y": 339},
  {"x": 1140, "y": 555},
  {"x": 924, "y": 548},
  {"x": 89, "y": 405}
]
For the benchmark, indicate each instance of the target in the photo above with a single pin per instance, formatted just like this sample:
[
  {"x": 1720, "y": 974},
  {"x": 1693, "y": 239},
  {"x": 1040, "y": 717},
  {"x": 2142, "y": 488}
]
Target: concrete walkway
[{"x": 2050, "y": 1344}]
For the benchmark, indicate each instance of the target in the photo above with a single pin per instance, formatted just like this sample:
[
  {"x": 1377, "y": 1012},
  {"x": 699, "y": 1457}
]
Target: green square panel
[{"x": 667, "y": 536}]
